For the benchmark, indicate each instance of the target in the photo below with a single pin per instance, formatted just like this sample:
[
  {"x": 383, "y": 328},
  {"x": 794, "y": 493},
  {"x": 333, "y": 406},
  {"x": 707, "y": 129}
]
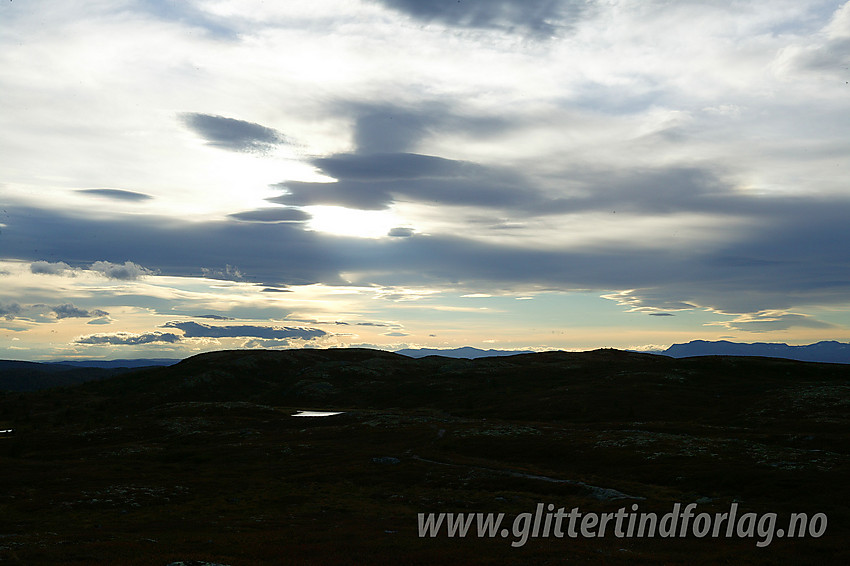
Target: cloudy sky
[{"x": 184, "y": 176}]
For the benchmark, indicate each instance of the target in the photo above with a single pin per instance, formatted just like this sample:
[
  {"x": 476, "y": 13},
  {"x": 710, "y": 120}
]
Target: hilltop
[{"x": 464, "y": 352}]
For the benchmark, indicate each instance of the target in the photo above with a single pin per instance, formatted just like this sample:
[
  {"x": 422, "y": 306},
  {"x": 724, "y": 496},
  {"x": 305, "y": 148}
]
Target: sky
[{"x": 181, "y": 177}]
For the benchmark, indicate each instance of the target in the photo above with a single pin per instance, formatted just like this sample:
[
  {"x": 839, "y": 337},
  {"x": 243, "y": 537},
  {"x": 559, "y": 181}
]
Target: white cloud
[{"x": 126, "y": 272}]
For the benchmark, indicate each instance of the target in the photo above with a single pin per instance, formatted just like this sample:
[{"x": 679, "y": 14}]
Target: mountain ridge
[{"x": 827, "y": 351}]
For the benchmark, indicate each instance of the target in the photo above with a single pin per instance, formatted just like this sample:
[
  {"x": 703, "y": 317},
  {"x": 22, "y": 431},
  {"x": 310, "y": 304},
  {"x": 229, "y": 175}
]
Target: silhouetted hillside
[
  {"x": 205, "y": 460},
  {"x": 119, "y": 363},
  {"x": 602, "y": 384},
  {"x": 33, "y": 376}
]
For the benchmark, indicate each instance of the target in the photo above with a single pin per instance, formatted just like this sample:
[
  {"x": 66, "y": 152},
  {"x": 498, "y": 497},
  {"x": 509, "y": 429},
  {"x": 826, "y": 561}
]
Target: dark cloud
[
  {"x": 400, "y": 232},
  {"x": 48, "y": 268},
  {"x": 126, "y": 271},
  {"x": 388, "y": 129},
  {"x": 126, "y": 338},
  {"x": 116, "y": 194},
  {"x": 393, "y": 167},
  {"x": 393, "y": 128},
  {"x": 10, "y": 310},
  {"x": 276, "y": 214},
  {"x": 175, "y": 248},
  {"x": 661, "y": 314},
  {"x": 384, "y": 170},
  {"x": 232, "y": 134},
  {"x": 68, "y": 310},
  {"x": 831, "y": 57},
  {"x": 540, "y": 18},
  {"x": 375, "y": 181},
  {"x": 196, "y": 330},
  {"x": 363, "y": 196},
  {"x": 213, "y": 316}
]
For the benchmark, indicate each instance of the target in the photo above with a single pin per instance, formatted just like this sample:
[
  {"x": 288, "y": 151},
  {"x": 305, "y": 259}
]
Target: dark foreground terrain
[{"x": 203, "y": 460}]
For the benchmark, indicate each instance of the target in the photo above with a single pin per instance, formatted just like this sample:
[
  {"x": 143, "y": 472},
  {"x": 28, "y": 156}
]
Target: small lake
[{"x": 316, "y": 413}]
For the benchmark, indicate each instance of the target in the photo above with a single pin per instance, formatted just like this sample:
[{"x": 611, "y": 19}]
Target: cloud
[
  {"x": 375, "y": 181},
  {"x": 127, "y": 272},
  {"x": 177, "y": 248},
  {"x": 529, "y": 17},
  {"x": 381, "y": 127},
  {"x": 276, "y": 214},
  {"x": 68, "y": 310},
  {"x": 126, "y": 338},
  {"x": 229, "y": 273},
  {"x": 256, "y": 343},
  {"x": 769, "y": 321},
  {"x": 214, "y": 316},
  {"x": 47, "y": 268},
  {"x": 392, "y": 166},
  {"x": 386, "y": 129},
  {"x": 196, "y": 330},
  {"x": 829, "y": 53},
  {"x": 116, "y": 194},
  {"x": 10, "y": 310},
  {"x": 232, "y": 134},
  {"x": 400, "y": 232},
  {"x": 756, "y": 252}
]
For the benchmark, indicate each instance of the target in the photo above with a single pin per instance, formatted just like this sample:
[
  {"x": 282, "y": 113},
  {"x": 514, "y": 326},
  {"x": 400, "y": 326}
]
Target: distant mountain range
[{"x": 828, "y": 351}]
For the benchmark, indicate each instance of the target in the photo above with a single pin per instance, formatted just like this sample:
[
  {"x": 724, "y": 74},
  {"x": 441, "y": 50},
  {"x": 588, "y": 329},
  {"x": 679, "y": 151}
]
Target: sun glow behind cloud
[{"x": 343, "y": 221}]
